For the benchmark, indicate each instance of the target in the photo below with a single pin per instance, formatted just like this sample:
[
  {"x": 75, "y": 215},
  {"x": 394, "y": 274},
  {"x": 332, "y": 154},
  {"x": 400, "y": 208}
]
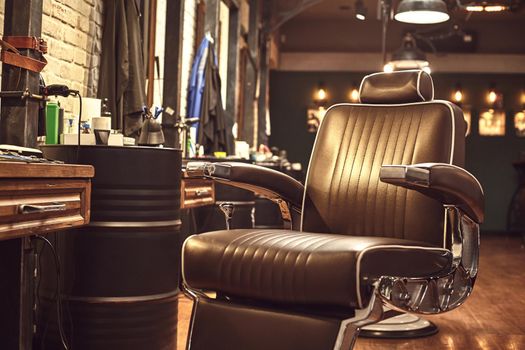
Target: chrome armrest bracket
[
  {"x": 447, "y": 291},
  {"x": 199, "y": 169},
  {"x": 221, "y": 175}
]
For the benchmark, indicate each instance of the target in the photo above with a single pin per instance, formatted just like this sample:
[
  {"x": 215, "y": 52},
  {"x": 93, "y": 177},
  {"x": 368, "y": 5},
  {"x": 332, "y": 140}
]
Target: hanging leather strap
[{"x": 10, "y": 54}]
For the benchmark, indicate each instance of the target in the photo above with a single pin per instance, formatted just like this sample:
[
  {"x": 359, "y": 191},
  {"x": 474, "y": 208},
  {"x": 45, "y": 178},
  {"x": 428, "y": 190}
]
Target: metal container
[{"x": 120, "y": 274}]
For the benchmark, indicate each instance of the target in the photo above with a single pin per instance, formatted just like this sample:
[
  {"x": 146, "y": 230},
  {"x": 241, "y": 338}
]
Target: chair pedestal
[
  {"x": 222, "y": 325},
  {"x": 400, "y": 326}
]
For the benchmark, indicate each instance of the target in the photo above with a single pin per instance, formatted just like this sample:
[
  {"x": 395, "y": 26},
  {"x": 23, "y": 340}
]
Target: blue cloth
[{"x": 197, "y": 81}]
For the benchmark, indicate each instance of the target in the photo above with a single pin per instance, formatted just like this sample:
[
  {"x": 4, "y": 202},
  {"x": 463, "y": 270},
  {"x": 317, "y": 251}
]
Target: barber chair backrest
[{"x": 397, "y": 122}]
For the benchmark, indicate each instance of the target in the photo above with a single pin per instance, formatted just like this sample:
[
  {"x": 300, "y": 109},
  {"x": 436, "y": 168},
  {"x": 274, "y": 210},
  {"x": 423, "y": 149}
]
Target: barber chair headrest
[{"x": 407, "y": 86}]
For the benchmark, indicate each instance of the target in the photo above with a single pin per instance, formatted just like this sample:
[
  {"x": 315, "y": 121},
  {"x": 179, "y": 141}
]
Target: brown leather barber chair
[{"x": 387, "y": 217}]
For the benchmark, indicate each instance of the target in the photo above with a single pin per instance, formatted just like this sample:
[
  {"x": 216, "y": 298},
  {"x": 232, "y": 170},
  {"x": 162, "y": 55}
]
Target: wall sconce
[
  {"x": 519, "y": 123},
  {"x": 492, "y": 121},
  {"x": 494, "y": 98},
  {"x": 457, "y": 96},
  {"x": 353, "y": 96},
  {"x": 321, "y": 95}
]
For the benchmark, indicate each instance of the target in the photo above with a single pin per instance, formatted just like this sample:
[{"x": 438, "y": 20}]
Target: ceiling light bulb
[
  {"x": 422, "y": 17},
  {"x": 360, "y": 10},
  {"x": 495, "y": 8},
  {"x": 388, "y": 68},
  {"x": 476, "y": 8}
]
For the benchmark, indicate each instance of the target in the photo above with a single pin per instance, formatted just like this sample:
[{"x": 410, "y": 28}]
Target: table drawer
[
  {"x": 31, "y": 206},
  {"x": 197, "y": 192}
]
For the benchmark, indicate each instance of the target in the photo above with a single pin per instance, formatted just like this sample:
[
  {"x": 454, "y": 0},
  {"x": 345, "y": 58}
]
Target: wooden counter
[
  {"x": 35, "y": 198},
  {"x": 40, "y": 198}
]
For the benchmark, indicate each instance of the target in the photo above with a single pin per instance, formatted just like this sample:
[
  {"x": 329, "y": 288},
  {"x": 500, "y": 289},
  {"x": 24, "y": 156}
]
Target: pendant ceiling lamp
[
  {"x": 489, "y": 5},
  {"x": 408, "y": 56},
  {"x": 422, "y": 11}
]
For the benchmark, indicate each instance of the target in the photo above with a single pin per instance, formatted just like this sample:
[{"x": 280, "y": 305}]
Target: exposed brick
[
  {"x": 65, "y": 70},
  {"x": 76, "y": 38},
  {"x": 77, "y": 86},
  {"x": 61, "y": 50},
  {"x": 47, "y": 8},
  {"x": 83, "y": 23},
  {"x": 65, "y": 14},
  {"x": 58, "y": 10},
  {"x": 78, "y": 72},
  {"x": 73, "y": 29},
  {"x": 81, "y": 7},
  {"x": 188, "y": 40},
  {"x": 81, "y": 57},
  {"x": 53, "y": 28}
]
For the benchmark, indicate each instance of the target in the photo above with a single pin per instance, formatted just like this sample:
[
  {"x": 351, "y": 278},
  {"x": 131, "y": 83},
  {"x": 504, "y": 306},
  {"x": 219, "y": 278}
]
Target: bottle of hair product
[{"x": 52, "y": 120}]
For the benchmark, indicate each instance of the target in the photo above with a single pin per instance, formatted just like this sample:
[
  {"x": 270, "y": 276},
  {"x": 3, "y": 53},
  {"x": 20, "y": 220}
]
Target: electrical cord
[
  {"x": 76, "y": 93},
  {"x": 38, "y": 279},
  {"x": 64, "y": 91},
  {"x": 58, "y": 292}
]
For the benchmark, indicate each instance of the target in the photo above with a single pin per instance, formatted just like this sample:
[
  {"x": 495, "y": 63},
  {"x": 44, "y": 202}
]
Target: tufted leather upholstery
[
  {"x": 343, "y": 191},
  {"x": 302, "y": 268}
]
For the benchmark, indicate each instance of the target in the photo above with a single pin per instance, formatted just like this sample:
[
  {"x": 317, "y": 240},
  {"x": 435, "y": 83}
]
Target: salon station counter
[{"x": 35, "y": 198}]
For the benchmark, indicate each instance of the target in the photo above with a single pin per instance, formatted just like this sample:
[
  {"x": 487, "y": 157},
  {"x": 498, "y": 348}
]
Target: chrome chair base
[{"x": 400, "y": 326}]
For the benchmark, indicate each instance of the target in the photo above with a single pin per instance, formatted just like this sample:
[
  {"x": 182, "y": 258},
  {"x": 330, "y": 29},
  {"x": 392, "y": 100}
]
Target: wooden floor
[{"x": 492, "y": 318}]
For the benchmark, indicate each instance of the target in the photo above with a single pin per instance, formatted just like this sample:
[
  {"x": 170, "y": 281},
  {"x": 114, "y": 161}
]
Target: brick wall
[
  {"x": 73, "y": 30},
  {"x": 2, "y": 13},
  {"x": 188, "y": 43}
]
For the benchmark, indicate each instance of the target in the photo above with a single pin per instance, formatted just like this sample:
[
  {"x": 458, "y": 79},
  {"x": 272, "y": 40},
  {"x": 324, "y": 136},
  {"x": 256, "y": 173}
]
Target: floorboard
[{"x": 492, "y": 318}]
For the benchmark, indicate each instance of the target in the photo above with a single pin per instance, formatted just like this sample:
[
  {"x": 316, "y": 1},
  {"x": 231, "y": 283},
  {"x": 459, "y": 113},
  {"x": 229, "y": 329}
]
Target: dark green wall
[{"x": 488, "y": 158}]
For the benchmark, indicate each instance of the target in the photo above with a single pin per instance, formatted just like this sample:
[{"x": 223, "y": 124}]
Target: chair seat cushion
[{"x": 301, "y": 268}]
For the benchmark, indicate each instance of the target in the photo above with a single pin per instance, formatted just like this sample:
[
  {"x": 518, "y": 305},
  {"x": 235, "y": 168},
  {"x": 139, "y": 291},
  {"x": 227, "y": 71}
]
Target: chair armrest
[
  {"x": 263, "y": 181},
  {"x": 448, "y": 184}
]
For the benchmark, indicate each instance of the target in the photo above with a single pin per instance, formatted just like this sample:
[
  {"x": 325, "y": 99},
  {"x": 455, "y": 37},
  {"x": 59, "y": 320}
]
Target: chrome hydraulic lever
[{"x": 227, "y": 209}]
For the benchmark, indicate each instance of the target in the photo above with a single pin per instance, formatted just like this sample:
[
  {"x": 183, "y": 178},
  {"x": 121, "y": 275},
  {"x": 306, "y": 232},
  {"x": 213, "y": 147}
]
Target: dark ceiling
[
  {"x": 330, "y": 26},
  {"x": 341, "y": 9}
]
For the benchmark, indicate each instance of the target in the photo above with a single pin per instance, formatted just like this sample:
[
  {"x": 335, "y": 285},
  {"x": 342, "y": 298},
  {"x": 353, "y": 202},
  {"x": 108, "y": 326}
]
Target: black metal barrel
[{"x": 120, "y": 274}]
